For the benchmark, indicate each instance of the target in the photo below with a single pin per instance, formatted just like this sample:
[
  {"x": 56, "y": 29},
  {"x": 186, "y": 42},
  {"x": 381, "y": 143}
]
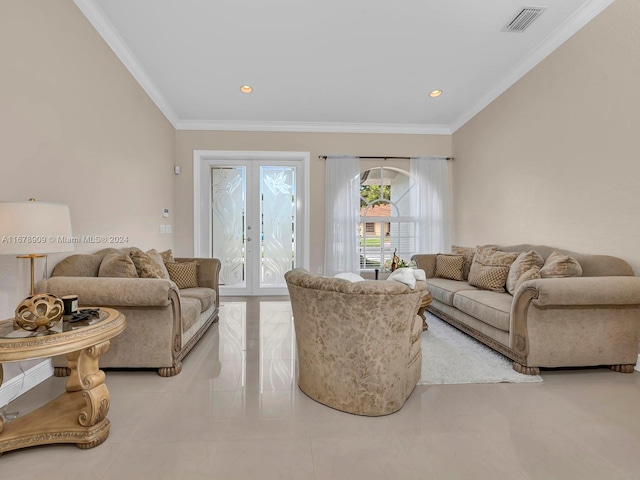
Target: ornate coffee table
[{"x": 80, "y": 414}]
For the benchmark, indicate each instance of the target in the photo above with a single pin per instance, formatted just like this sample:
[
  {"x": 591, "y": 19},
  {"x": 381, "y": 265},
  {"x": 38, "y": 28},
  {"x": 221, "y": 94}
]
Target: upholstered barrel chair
[{"x": 358, "y": 343}]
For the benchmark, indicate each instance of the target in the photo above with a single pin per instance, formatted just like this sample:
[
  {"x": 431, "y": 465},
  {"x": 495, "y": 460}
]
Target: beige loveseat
[
  {"x": 163, "y": 321},
  {"x": 587, "y": 320},
  {"x": 358, "y": 343}
]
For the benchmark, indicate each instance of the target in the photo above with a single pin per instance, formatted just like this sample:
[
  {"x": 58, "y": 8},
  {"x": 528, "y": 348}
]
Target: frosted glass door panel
[
  {"x": 278, "y": 224},
  {"x": 228, "y": 223}
]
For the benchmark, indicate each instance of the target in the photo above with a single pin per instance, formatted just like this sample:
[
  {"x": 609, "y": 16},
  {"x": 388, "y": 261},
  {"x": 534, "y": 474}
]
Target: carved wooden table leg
[
  {"x": 79, "y": 415},
  {"x": 426, "y": 301},
  {"x": 87, "y": 378}
]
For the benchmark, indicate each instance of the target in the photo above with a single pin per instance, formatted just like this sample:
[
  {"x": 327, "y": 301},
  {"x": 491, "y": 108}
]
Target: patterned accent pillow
[
  {"x": 468, "y": 253},
  {"x": 559, "y": 265},
  {"x": 449, "y": 266},
  {"x": 490, "y": 268},
  {"x": 149, "y": 264},
  {"x": 184, "y": 274},
  {"x": 117, "y": 265},
  {"x": 532, "y": 274},
  {"x": 523, "y": 264}
]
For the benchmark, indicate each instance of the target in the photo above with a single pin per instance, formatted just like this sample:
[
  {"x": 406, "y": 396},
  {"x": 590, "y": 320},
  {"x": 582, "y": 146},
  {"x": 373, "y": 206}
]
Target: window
[{"x": 386, "y": 225}]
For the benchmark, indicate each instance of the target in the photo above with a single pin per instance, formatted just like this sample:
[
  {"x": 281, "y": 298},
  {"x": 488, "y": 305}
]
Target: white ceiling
[{"x": 329, "y": 65}]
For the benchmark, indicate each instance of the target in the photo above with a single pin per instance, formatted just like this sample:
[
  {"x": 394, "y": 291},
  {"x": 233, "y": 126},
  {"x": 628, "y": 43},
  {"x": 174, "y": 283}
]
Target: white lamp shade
[{"x": 34, "y": 228}]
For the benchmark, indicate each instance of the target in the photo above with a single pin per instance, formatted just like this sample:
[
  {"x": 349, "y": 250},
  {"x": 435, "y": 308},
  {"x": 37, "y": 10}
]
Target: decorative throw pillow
[
  {"x": 167, "y": 256},
  {"x": 532, "y": 274},
  {"x": 522, "y": 264},
  {"x": 403, "y": 275},
  {"x": 419, "y": 274},
  {"x": 468, "y": 253},
  {"x": 149, "y": 264},
  {"x": 559, "y": 265},
  {"x": 449, "y": 266},
  {"x": 79, "y": 265},
  {"x": 117, "y": 265},
  {"x": 184, "y": 274},
  {"x": 490, "y": 268}
]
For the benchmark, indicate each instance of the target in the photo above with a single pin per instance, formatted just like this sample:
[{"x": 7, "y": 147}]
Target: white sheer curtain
[
  {"x": 430, "y": 204},
  {"x": 342, "y": 215}
]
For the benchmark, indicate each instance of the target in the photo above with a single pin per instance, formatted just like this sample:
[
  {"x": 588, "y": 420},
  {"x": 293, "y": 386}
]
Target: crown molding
[
  {"x": 569, "y": 28},
  {"x": 103, "y": 26},
  {"x": 110, "y": 35},
  {"x": 314, "y": 127}
]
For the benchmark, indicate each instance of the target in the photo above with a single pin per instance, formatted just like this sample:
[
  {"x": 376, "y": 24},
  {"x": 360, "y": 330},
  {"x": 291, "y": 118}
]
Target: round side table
[{"x": 80, "y": 414}]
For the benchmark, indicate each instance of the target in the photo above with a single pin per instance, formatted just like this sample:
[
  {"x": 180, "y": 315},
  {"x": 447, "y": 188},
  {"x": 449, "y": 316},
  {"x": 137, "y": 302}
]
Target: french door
[{"x": 254, "y": 220}]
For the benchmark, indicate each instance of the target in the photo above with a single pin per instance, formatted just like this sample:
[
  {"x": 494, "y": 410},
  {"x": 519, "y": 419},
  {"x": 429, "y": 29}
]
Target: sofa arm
[
  {"x": 108, "y": 291},
  {"x": 547, "y": 293},
  {"x": 583, "y": 291},
  {"x": 208, "y": 271},
  {"x": 427, "y": 262}
]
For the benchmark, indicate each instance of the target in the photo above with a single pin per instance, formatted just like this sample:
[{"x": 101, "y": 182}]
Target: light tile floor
[{"x": 235, "y": 412}]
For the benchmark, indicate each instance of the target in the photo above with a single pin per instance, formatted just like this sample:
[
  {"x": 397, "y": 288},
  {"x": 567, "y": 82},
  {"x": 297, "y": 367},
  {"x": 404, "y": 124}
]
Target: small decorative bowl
[{"x": 39, "y": 312}]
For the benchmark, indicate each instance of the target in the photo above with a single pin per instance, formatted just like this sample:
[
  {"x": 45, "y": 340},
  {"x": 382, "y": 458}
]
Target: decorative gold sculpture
[
  {"x": 395, "y": 261},
  {"x": 39, "y": 312}
]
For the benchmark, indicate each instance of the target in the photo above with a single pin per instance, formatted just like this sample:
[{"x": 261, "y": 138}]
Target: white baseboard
[
  {"x": 637, "y": 367},
  {"x": 24, "y": 382}
]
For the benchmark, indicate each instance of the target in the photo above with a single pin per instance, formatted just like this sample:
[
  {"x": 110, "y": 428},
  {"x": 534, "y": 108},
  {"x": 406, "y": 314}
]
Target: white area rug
[{"x": 452, "y": 357}]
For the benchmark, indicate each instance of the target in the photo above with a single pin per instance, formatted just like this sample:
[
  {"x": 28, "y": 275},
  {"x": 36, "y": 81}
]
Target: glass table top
[{"x": 8, "y": 329}]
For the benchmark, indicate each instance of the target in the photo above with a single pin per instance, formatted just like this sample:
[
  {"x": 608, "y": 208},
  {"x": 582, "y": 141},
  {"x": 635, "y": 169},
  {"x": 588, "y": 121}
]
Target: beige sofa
[
  {"x": 358, "y": 343},
  {"x": 587, "y": 320},
  {"x": 163, "y": 321}
]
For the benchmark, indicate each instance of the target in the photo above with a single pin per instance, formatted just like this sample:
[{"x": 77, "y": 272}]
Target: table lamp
[{"x": 31, "y": 230}]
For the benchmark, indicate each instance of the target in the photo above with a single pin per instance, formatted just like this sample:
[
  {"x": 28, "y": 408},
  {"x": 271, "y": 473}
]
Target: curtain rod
[{"x": 324, "y": 157}]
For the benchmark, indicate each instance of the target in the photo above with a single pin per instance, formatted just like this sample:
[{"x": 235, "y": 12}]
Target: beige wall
[
  {"x": 315, "y": 143},
  {"x": 76, "y": 128},
  {"x": 556, "y": 159}
]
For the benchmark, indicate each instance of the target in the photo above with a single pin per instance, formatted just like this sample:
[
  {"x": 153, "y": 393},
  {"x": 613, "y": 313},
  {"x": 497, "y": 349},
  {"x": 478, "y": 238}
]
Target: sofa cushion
[
  {"x": 149, "y": 264},
  {"x": 79, "y": 265},
  {"x": 184, "y": 274},
  {"x": 206, "y": 296},
  {"x": 522, "y": 264},
  {"x": 108, "y": 250},
  {"x": 532, "y": 274},
  {"x": 449, "y": 266},
  {"x": 560, "y": 265},
  {"x": 190, "y": 308},
  {"x": 443, "y": 289},
  {"x": 117, "y": 265},
  {"x": 490, "y": 268},
  {"x": 492, "y": 308},
  {"x": 468, "y": 253}
]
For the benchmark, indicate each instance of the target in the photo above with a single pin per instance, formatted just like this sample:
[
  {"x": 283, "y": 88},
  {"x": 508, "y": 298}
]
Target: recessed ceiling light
[
  {"x": 246, "y": 89},
  {"x": 435, "y": 93}
]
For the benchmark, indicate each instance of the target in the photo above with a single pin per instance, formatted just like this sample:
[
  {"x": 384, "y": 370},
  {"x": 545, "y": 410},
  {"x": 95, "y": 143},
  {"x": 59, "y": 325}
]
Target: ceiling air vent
[{"x": 523, "y": 19}]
